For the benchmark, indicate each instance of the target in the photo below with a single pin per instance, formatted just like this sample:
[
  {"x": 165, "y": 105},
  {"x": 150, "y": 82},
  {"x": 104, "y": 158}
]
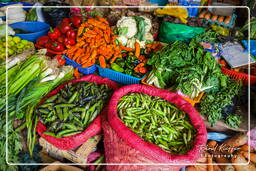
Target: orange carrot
[{"x": 137, "y": 49}]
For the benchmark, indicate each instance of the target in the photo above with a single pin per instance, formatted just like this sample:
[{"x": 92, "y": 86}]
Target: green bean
[{"x": 157, "y": 121}]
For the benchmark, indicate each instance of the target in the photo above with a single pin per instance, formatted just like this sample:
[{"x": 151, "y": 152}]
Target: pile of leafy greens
[
  {"x": 212, "y": 104},
  {"x": 186, "y": 67}
]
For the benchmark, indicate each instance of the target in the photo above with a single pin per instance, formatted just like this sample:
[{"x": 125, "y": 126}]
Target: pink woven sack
[
  {"x": 71, "y": 142},
  {"x": 122, "y": 145}
]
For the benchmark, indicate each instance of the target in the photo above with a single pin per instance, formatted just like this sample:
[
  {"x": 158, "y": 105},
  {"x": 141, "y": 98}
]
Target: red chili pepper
[
  {"x": 59, "y": 47},
  {"x": 54, "y": 33},
  {"x": 76, "y": 21},
  {"x": 71, "y": 34},
  {"x": 65, "y": 27},
  {"x": 61, "y": 39},
  {"x": 60, "y": 59},
  {"x": 49, "y": 45},
  {"x": 42, "y": 40},
  {"x": 70, "y": 41},
  {"x": 65, "y": 21},
  {"x": 143, "y": 70},
  {"x": 76, "y": 73}
]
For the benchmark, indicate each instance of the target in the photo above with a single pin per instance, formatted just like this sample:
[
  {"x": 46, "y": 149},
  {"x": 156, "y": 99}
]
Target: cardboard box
[
  {"x": 54, "y": 167},
  {"x": 78, "y": 155}
]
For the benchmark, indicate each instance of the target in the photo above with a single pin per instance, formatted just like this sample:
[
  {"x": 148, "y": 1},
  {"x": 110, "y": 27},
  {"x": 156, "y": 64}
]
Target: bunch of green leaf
[
  {"x": 167, "y": 61},
  {"x": 245, "y": 28},
  {"x": 14, "y": 145},
  {"x": 208, "y": 36},
  {"x": 187, "y": 67},
  {"x": 212, "y": 103},
  {"x": 233, "y": 120}
]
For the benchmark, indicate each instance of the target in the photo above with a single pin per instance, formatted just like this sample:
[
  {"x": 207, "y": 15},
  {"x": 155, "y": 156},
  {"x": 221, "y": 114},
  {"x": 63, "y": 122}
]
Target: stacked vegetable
[
  {"x": 73, "y": 109},
  {"x": 157, "y": 121},
  {"x": 28, "y": 82},
  {"x": 186, "y": 67},
  {"x": 95, "y": 41},
  {"x": 131, "y": 63},
  {"x": 61, "y": 37},
  {"x": 220, "y": 105},
  {"x": 233, "y": 154},
  {"x": 15, "y": 46}
]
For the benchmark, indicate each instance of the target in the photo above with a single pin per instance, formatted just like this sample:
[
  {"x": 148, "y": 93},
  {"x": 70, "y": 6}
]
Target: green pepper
[
  {"x": 128, "y": 71},
  {"x": 117, "y": 68},
  {"x": 120, "y": 62}
]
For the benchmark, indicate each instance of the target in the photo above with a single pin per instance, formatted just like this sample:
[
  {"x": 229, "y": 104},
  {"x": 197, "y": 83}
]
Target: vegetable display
[
  {"x": 62, "y": 36},
  {"x": 130, "y": 64},
  {"x": 73, "y": 109},
  {"x": 190, "y": 70},
  {"x": 212, "y": 104},
  {"x": 15, "y": 46},
  {"x": 234, "y": 152},
  {"x": 95, "y": 41},
  {"x": 157, "y": 121}
]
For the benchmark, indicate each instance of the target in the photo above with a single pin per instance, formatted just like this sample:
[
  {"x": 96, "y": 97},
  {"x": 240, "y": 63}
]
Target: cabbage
[{"x": 3, "y": 30}]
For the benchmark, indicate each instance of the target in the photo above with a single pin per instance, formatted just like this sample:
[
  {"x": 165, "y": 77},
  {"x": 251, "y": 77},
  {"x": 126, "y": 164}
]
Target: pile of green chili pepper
[
  {"x": 157, "y": 121},
  {"x": 73, "y": 109}
]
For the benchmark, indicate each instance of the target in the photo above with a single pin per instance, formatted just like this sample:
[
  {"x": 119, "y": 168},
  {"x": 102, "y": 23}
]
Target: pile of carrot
[
  {"x": 231, "y": 154},
  {"x": 95, "y": 41}
]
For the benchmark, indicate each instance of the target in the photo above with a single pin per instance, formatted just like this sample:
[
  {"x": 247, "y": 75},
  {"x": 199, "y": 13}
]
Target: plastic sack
[
  {"x": 54, "y": 16},
  {"x": 122, "y": 145},
  {"x": 221, "y": 30},
  {"x": 181, "y": 13},
  {"x": 170, "y": 32},
  {"x": 71, "y": 142}
]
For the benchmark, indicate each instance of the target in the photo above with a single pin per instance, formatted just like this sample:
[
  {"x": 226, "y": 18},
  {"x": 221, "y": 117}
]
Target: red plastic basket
[
  {"x": 239, "y": 76},
  {"x": 50, "y": 52}
]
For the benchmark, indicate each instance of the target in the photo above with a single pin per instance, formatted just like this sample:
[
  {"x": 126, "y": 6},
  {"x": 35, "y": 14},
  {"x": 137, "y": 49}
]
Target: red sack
[
  {"x": 71, "y": 142},
  {"x": 122, "y": 145}
]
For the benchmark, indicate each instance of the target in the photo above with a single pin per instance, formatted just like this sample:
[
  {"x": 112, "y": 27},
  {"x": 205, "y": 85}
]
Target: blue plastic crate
[
  {"x": 192, "y": 12},
  {"x": 159, "y": 2},
  {"x": 252, "y": 46},
  {"x": 85, "y": 71},
  {"x": 26, "y": 5},
  {"x": 37, "y": 28},
  {"x": 118, "y": 76}
]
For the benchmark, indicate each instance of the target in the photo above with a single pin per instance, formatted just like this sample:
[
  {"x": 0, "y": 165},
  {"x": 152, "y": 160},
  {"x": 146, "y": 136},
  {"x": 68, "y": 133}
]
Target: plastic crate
[
  {"x": 252, "y": 46},
  {"x": 229, "y": 25},
  {"x": 239, "y": 76},
  {"x": 27, "y": 6},
  {"x": 192, "y": 12},
  {"x": 159, "y": 2},
  {"x": 85, "y": 71},
  {"x": 194, "y": 101},
  {"x": 37, "y": 28},
  {"x": 118, "y": 76}
]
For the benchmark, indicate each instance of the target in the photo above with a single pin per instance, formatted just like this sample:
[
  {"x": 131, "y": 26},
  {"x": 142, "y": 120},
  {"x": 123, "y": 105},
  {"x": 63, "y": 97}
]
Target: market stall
[{"x": 174, "y": 84}]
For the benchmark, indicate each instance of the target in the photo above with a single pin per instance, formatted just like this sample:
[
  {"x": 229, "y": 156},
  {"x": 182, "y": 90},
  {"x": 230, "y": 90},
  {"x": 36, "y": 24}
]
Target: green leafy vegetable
[
  {"x": 212, "y": 103},
  {"x": 233, "y": 120},
  {"x": 122, "y": 31},
  {"x": 141, "y": 28}
]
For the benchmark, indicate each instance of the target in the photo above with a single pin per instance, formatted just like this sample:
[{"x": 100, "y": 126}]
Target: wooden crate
[
  {"x": 78, "y": 155},
  {"x": 55, "y": 167}
]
